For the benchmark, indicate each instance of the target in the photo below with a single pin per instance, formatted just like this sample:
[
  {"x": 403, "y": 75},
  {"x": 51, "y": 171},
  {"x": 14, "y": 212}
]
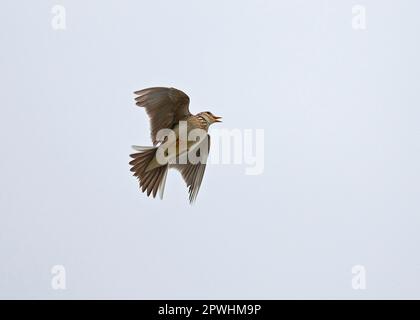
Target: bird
[{"x": 168, "y": 109}]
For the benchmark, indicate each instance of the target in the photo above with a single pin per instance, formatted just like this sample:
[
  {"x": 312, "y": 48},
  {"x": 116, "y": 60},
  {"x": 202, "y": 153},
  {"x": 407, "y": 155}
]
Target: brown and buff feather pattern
[{"x": 149, "y": 181}]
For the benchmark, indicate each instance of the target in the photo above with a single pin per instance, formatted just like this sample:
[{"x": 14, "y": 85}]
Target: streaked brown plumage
[{"x": 166, "y": 107}]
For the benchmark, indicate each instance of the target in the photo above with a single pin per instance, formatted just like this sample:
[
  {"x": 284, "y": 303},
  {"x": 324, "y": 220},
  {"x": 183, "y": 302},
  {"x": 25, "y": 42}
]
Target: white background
[{"x": 340, "y": 110}]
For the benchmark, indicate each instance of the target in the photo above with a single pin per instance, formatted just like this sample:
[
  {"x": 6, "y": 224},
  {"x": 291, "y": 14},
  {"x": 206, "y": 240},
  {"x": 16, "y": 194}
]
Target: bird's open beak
[{"x": 217, "y": 119}]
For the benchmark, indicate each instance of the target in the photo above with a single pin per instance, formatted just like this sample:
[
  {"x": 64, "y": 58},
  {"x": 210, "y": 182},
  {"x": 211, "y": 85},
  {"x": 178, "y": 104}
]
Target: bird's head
[{"x": 210, "y": 117}]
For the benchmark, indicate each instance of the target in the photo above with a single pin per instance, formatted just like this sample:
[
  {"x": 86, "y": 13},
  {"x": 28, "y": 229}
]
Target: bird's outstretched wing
[
  {"x": 193, "y": 173},
  {"x": 165, "y": 107}
]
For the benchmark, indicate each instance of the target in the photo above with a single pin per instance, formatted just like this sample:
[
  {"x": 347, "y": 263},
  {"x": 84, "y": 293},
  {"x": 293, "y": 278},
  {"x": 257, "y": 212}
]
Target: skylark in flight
[{"x": 172, "y": 126}]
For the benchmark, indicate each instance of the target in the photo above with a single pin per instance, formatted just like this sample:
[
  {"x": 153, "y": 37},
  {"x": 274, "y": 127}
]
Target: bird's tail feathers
[{"x": 151, "y": 181}]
